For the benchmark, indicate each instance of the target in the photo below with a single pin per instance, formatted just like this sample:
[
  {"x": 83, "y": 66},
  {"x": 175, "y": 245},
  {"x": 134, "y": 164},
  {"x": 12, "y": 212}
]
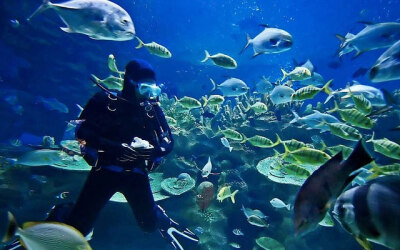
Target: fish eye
[{"x": 124, "y": 21}]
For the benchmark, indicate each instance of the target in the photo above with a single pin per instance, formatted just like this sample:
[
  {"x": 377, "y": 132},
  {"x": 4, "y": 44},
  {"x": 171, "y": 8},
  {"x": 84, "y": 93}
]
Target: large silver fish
[
  {"x": 372, "y": 212},
  {"x": 281, "y": 94},
  {"x": 270, "y": 40},
  {"x": 373, "y": 36},
  {"x": 387, "y": 67},
  {"x": 374, "y": 95},
  {"x": 316, "y": 120},
  {"x": 318, "y": 192},
  {"x": 99, "y": 19},
  {"x": 231, "y": 87}
]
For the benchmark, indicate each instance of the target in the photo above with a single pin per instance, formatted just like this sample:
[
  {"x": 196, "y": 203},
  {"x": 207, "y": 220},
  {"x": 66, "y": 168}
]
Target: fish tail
[
  {"x": 244, "y": 138},
  {"x": 287, "y": 151},
  {"x": 276, "y": 153},
  {"x": 207, "y": 56},
  {"x": 376, "y": 171},
  {"x": 96, "y": 79},
  {"x": 140, "y": 43},
  {"x": 44, "y": 6},
  {"x": 278, "y": 141},
  {"x": 214, "y": 85},
  {"x": 336, "y": 108},
  {"x": 205, "y": 101},
  {"x": 372, "y": 137},
  {"x": 176, "y": 99},
  {"x": 284, "y": 74},
  {"x": 247, "y": 44},
  {"x": 12, "y": 228},
  {"x": 296, "y": 117},
  {"x": 358, "y": 158},
  {"x": 329, "y": 97},
  {"x": 326, "y": 89},
  {"x": 230, "y": 149},
  {"x": 288, "y": 207},
  {"x": 323, "y": 146},
  {"x": 233, "y": 196}
]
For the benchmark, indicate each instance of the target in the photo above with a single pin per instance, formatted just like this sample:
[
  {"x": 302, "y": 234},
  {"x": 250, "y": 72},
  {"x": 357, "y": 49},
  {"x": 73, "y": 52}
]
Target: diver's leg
[
  {"x": 150, "y": 217},
  {"x": 100, "y": 185}
]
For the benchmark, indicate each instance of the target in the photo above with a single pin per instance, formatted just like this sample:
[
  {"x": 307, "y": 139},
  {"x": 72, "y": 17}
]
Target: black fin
[
  {"x": 340, "y": 37},
  {"x": 388, "y": 98},
  {"x": 360, "y": 72},
  {"x": 357, "y": 159},
  {"x": 366, "y": 22},
  {"x": 11, "y": 229}
]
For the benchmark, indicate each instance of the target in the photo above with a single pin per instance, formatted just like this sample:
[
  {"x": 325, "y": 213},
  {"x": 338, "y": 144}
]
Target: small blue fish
[
  {"x": 199, "y": 230},
  {"x": 14, "y": 23},
  {"x": 237, "y": 232},
  {"x": 226, "y": 144},
  {"x": 53, "y": 104},
  {"x": 234, "y": 245}
]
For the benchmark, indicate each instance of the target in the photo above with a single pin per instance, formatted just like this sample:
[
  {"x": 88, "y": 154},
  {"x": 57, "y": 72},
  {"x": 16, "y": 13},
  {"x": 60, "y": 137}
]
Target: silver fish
[
  {"x": 53, "y": 104},
  {"x": 264, "y": 86},
  {"x": 316, "y": 80},
  {"x": 99, "y": 19},
  {"x": 387, "y": 67},
  {"x": 373, "y": 36},
  {"x": 316, "y": 120},
  {"x": 270, "y": 40},
  {"x": 231, "y": 87},
  {"x": 380, "y": 201},
  {"x": 374, "y": 95},
  {"x": 226, "y": 144},
  {"x": 281, "y": 94}
]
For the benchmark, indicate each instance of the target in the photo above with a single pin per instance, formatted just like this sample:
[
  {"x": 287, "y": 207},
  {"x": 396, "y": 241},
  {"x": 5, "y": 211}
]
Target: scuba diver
[{"x": 107, "y": 127}]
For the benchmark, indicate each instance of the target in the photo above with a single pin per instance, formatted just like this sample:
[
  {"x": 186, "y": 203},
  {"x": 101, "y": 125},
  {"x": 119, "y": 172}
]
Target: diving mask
[{"x": 149, "y": 90}]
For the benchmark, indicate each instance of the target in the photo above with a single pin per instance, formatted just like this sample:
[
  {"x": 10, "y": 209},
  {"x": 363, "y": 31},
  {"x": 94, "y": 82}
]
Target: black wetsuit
[{"x": 107, "y": 123}]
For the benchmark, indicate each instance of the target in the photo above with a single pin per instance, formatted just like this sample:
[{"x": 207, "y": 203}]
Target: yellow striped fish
[{"x": 155, "y": 49}]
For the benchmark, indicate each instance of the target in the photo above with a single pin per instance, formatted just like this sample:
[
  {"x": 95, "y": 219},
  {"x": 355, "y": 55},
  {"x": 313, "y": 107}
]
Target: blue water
[{"x": 38, "y": 59}]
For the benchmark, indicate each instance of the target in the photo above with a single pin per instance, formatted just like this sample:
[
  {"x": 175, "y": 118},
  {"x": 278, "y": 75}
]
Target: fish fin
[
  {"x": 214, "y": 85},
  {"x": 230, "y": 149},
  {"x": 256, "y": 54},
  {"x": 233, "y": 196},
  {"x": 207, "y": 56},
  {"x": 357, "y": 54},
  {"x": 329, "y": 97},
  {"x": 44, "y": 6},
  {"x": 247, "y": 44},
  {"x": 296, "y": 117},
  {"x": 364, "y": 243},
  {"x": 95, "y": 78},
  {"x": 326, "y": 89},
  {"x": 264, "y": 25},
  {"x": 358, "y": 158},
  {"x": 367, "y": 23},
  {"x": 336, "y": 108},
  {"x": 205, "y": 100},
  {"x": 341, "y": 38},
  {"x": 68, "y": 30},
  {"x": 140, "y": 43},
  {"x": 372, "y": 137},
  {"x": 390, "y": 100},
  {"x": 284, "y": 74},
  {"x": 30, "y": 224},
  {"x": 11, "y": 228},
  {"x": 278, "y": 141},
  {"x": 288, "y": 207}
]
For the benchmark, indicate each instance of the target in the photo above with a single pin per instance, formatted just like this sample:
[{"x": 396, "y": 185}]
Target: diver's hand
[{"x": 131, "y": 154}]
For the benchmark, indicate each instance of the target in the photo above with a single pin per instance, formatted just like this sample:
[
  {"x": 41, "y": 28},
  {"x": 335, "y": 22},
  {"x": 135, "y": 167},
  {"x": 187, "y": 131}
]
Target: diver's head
[{"x": 140, "y": 81}]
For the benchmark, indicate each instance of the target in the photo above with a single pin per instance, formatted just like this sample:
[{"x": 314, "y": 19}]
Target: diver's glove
[{"x": 129, "y": 153}]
